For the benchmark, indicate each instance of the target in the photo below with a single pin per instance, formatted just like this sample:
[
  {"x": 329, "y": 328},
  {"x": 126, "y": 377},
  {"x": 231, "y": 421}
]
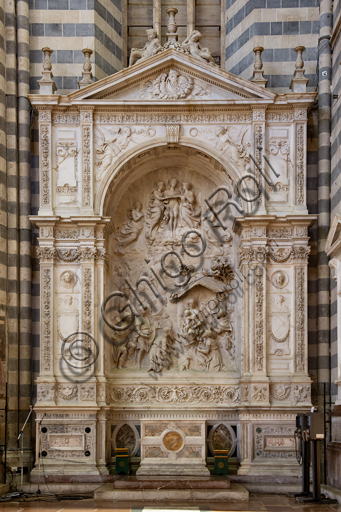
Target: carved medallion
[{"x": 173, "y": 441}]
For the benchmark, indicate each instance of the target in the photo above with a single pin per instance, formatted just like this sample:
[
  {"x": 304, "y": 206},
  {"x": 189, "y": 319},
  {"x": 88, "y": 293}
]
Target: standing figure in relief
[
  {"x": 129, "y": 232},
  {"x": 173, "y": 209},
  {"x": 160, "y": 351},
  {"x": 211, "y": 352},
  {"x": 155, "y": 211},
  {"x": 150, "y": 48},
  {"x": 190, "y": 215},
  {"x": 145, "y": 336},
  {"x": 194, "y": 47}
]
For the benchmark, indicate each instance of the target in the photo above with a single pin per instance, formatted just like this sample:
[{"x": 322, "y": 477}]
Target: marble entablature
[{"x": 126, "y": 165}]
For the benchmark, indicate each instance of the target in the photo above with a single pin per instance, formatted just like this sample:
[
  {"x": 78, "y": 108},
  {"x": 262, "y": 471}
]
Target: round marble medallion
[{"x": 172, "y": 441}]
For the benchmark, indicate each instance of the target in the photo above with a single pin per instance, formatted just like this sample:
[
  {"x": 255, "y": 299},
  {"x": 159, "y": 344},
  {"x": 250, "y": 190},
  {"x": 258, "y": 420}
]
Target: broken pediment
[{"x": 172, "y": 76}]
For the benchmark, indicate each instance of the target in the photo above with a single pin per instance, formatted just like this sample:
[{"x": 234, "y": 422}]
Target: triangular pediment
[
  {"x": 172, "y": 76},
  {"x": 333, "y": 242}
]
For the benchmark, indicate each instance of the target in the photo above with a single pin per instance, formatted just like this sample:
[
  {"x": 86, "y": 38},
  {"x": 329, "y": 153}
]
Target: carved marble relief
[
  {"x": 173, "y": 86},
  {"x": 185, "y": 329},
  {"x": 279, "y": 325},
  {"x": 110, "y": 142},
  {"x": 67, "y": 170},
  {"x": 278, "y": 155}
]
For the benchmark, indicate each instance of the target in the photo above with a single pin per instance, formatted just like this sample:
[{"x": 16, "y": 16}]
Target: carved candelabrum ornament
[{"x": 67, "y": 171}]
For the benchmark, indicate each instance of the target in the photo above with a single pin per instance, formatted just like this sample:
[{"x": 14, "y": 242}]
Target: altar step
[{"x": 161, "y": 489}]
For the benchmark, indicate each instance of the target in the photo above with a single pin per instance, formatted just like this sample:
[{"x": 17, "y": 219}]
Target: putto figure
[
  {"x": 150, "y": 48},
  {"x": 195, "y": 49}
]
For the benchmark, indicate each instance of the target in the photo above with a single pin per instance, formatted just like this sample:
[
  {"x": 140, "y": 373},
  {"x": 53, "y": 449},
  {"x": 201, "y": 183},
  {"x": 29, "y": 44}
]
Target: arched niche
[
  {"x": 141, "y": 238},
  {"x": 199, "y": 154}
]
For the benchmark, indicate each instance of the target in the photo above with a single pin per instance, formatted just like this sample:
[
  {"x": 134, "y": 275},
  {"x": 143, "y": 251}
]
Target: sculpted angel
[
  {"x": 192, "y": 44},
  {"x": 150, "y": 48},
  {"x": 155, "y": 211},
  {"x": 107, "y": 149},
  {"x": 131, "y": 230}
]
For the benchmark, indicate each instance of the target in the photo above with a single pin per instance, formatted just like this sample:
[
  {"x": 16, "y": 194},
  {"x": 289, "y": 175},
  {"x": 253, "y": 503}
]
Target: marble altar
[{"x": 131, "y": 255}]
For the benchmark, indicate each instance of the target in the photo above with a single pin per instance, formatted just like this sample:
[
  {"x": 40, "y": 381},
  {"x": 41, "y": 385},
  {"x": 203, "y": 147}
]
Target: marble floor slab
[{"x": 257, "y": 503}]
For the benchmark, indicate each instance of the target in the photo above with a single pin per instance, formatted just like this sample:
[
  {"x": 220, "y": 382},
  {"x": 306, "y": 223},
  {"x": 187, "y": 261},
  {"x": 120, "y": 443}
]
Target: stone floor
[{"x": 259, "y": 502}]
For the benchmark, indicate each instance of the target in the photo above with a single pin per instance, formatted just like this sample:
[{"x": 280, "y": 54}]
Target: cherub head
[
  {"x": 195, "y": 36},
  {"x": 138, "y": 206},
  {"x": 151, "y": 34}
]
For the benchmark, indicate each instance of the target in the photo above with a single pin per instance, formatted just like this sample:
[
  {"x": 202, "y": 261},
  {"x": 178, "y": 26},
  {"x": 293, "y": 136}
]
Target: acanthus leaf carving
[
  {"x": 300, "y": 320},
  {"x": 300, "y": 181},
  {"x": 45, "y": 165},
  {"x": 174, "y": 394},
  {"x": 46, "y": 319}
]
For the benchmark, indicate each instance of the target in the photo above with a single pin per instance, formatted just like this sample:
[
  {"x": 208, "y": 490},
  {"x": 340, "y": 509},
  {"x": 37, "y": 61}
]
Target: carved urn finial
[
  {"x": 47, "y": 65},
  {"x": 258, "y": 67},
  {"x": 46, "y": 83},
  {"x": 87, "y": 69},
  {"x": 171, "y": 25},
  {"x": 299, "y": 82}
]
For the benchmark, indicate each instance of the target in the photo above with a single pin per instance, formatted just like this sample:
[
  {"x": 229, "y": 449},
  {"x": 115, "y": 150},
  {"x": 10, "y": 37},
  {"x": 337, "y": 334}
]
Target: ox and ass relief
[{"x": 191, "y": 329}]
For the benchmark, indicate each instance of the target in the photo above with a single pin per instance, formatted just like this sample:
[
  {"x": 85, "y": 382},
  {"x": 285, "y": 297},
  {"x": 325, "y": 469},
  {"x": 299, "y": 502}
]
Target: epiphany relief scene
[
  {"x": 182, "y": 325},
  {"x": 168, "y": 326}
]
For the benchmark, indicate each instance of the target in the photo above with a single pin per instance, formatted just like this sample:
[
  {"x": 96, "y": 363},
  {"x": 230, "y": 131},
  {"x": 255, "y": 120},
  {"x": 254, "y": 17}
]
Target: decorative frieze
[
  {"x": 169, "y": 118},
  {"x": 174, "y": 394}
]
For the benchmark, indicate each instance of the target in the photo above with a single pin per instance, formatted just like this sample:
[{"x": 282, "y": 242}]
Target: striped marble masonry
[
  {"x": 335, "y": 176},
  {"x": 277, "y": 25},
  {"x": 68, "y": 26},
  {"x": 13, "y": 278},
  {"x": 312, "y": 170}
]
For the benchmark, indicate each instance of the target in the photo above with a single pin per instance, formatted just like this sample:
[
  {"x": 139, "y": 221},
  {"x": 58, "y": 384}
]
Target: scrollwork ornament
[
  {"x": 175, "y": 394},
  {"x": 46, "y": 318},
  {"x": 300, "y": 319},
  {"x": 259, "y": 320},
  {"x": 45, "y": 164},
  {"x": 67, "y": 255},
  {"x": 46, "y": 253},
  {"x": 300, "y": 181}
]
